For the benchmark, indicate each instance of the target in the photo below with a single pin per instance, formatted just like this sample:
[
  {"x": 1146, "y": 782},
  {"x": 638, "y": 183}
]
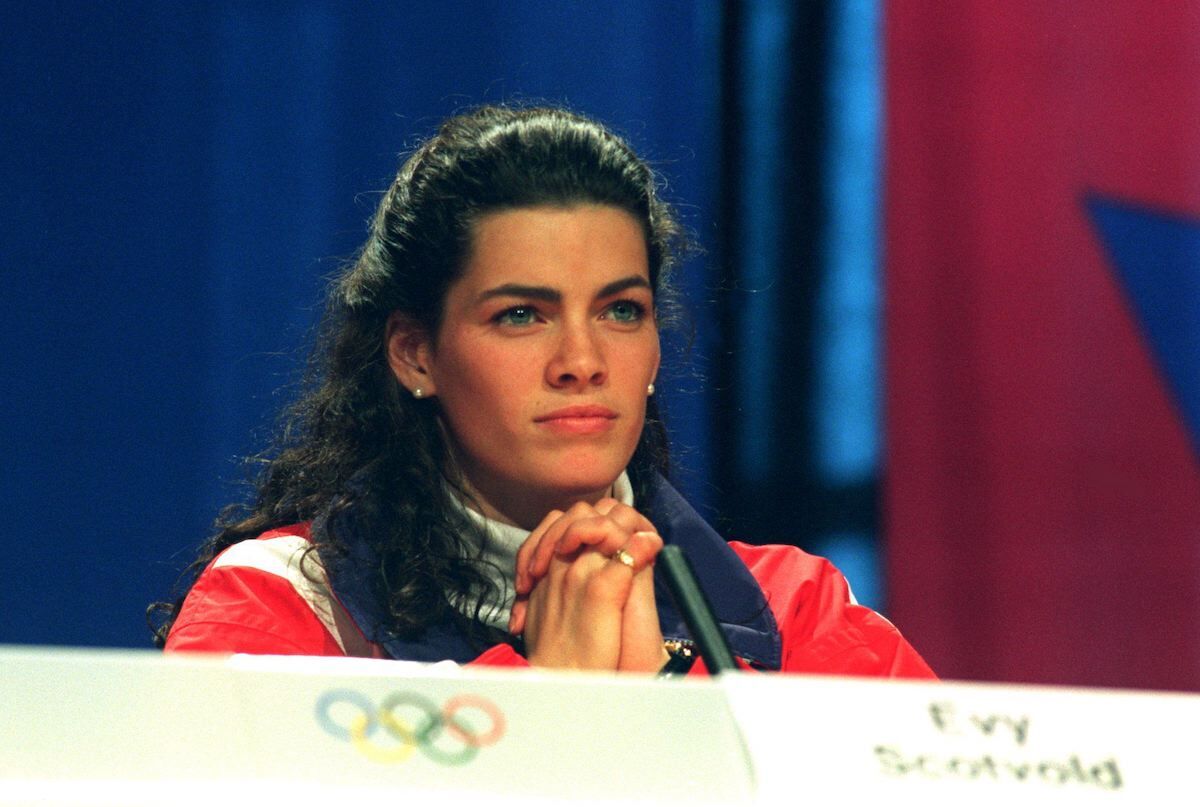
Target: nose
[{"x": 578, "y": 360}]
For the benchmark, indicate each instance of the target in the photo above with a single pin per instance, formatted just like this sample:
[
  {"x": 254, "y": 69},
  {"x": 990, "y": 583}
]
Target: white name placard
[{"x": 955, "y": 743}]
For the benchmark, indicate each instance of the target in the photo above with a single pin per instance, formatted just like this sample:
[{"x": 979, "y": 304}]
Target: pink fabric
[{"x": 1042, "y": 501}]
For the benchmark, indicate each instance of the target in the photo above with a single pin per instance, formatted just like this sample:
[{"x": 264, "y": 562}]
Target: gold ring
[{"x": 623, "y": 556}]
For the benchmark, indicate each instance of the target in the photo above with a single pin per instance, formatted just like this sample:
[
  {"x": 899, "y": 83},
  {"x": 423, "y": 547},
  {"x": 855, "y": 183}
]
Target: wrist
[{"x": 680, "y": 656}]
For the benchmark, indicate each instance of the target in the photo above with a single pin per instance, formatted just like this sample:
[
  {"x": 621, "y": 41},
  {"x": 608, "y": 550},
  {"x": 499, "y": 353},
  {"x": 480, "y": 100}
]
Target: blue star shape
[{"x": 1156, "y": 258}]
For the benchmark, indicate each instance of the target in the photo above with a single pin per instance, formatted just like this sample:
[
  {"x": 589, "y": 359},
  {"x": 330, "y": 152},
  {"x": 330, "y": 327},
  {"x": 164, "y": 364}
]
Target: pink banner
[{"x": 1042, "y": 500}]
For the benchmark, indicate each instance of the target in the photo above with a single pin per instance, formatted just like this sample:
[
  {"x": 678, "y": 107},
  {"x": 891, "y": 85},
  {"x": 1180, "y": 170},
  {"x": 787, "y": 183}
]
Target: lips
[
  {"x": 578, "y": 411},
  {"x": 578, "y": 419}
]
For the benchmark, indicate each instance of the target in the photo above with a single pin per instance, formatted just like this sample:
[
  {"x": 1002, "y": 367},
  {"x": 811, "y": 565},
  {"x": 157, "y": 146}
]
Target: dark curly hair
[{"x": 355, "y": 422}]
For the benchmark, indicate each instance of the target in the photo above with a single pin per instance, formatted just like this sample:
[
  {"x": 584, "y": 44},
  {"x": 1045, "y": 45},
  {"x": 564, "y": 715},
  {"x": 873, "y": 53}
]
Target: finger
[
  {"x": 605, "y": 505},
  {"x": 641, "y": 637},
  {"x": 516, "y": 620},
  {"x": 547, "y": 608},
  {"x": 608, "y": 589},
  {"x": 600, "y": 533},
  {"x": 627, "y": 517},
  {"x": 533, "y": 620},
  {"x": 580, "y": 527},
  {"x": 624, "y": 515},
  {"x": 523, "y": 583},
  {"x": 547, "y": 547},
  {"x": 639, "y": 551},
  {"x": 559, "y": 587},
  {"x": 574, "y": 614}
]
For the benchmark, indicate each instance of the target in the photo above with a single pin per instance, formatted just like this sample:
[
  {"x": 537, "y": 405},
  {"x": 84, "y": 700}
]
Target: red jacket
[{"x": 263, "y": 597}]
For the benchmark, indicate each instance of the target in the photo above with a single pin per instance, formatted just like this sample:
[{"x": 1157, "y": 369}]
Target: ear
[{"x": 409, "y": 352}]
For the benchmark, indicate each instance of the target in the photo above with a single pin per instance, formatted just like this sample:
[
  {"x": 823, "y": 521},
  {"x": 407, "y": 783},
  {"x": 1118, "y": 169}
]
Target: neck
[{"x": 523, "y": 508}]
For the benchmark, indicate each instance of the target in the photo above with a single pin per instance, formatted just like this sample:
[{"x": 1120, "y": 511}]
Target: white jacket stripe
[{"x": 284, "y": 556}]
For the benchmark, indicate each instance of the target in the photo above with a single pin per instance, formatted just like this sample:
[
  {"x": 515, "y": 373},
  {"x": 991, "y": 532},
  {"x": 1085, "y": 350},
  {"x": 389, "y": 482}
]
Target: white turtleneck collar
[{"x": 499, "y": 553}]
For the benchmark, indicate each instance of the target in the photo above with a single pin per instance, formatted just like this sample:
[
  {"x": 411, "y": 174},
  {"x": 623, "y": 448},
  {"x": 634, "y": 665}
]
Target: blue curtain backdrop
[
  {"x": 796, "y": 420},
  {"x": 181, "y": 179}
]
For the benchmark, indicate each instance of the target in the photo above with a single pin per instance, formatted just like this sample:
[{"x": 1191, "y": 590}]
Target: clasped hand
[{"x": 578, "y": 606}]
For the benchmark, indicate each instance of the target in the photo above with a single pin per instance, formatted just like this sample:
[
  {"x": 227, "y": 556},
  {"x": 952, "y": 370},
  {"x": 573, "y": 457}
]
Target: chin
[
  {"x": 581, "y": 487},
  {"x": 583, "y": 483}
]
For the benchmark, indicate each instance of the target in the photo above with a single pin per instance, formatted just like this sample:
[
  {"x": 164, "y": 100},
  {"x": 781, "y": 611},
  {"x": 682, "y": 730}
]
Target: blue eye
[
  {"x": 626, "y": 311},
  {"x": 517, "y": 315}
]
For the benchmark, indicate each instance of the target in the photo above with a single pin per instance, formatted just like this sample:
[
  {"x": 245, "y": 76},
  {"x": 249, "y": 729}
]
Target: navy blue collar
[{"x": 735, "y": 595}]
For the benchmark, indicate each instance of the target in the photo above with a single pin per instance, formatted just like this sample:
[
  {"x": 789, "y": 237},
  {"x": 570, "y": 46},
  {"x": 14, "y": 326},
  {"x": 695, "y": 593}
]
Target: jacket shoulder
[
  {"x": 268, "y": 595},
  {"x": 824, "y": 630}
]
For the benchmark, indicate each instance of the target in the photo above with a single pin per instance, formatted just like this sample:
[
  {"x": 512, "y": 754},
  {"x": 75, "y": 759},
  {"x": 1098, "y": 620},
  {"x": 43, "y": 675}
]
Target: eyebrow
[{"x": 551, "y": 295}]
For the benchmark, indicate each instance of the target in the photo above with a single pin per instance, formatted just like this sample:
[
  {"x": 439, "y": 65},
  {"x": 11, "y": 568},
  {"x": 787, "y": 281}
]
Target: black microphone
[{"x": 697, "y": 612}]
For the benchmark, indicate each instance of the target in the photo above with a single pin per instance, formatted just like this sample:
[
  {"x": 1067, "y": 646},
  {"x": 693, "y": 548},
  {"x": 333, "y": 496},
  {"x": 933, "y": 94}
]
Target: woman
[{"x": 478, "y": 471}]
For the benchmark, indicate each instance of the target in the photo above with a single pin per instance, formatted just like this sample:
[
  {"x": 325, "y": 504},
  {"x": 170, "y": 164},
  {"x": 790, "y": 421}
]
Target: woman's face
[{"x": 542, "y": 361}]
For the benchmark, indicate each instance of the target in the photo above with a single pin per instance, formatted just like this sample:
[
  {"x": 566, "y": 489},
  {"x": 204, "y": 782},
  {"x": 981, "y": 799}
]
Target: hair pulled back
[{"x": 356, "y": 441}]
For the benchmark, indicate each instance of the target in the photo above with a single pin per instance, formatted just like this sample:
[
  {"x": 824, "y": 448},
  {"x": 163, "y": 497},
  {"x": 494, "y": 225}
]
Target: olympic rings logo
[{"x": 447, "y": 735}]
